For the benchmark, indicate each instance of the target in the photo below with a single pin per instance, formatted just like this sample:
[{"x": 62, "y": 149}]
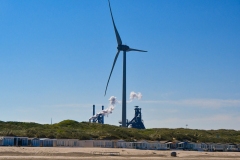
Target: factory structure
[
  {"x": 97, "y": 118},
  {"x": 136, "y": 122}
]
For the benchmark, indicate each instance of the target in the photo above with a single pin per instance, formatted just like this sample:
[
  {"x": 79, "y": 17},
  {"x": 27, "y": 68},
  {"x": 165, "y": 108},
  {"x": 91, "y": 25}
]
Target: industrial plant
[
  {"x": 136, "y": 122},
  {"x": 97, "y": 118}
]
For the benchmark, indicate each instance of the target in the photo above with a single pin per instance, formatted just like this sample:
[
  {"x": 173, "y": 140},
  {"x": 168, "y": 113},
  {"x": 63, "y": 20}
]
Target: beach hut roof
[{"x": 121, "y": 140}]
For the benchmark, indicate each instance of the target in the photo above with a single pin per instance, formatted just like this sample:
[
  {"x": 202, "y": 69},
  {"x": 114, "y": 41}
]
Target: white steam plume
[
  {"x": 112, "y": 102},
  {"x": 134, "y": 95}
]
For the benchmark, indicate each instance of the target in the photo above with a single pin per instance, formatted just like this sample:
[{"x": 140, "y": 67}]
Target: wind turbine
[{"x": 125, "y": 49}]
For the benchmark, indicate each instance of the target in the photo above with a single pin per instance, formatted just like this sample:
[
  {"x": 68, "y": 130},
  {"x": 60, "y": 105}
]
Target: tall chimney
[
  {"x": 93, "y": 110},
  {"x": 103, "y": 116}
]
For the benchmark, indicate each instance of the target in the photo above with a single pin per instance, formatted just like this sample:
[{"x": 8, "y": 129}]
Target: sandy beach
[{"x": 45, "y": 153}]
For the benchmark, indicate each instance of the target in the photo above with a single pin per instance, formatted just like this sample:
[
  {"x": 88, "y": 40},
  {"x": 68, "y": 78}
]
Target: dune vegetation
[{"x": 71, "y": 129}]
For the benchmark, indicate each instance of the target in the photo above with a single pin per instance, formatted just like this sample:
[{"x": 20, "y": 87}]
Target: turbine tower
[{"x": 125, "y": 49}]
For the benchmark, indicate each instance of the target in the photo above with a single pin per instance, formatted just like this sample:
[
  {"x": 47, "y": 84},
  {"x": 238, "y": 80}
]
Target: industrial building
[
  {"x": 136, "y": 122},
  {"x": 97, "y": 118}
]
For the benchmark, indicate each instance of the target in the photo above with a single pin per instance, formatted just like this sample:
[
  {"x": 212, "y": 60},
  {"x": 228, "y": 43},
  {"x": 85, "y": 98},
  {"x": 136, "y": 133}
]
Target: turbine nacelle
[
  {"x": 123, "y": 47},
  {"x": 126, "y": 48}
]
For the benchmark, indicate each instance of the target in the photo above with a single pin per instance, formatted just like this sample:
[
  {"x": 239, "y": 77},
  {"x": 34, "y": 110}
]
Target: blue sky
[{"x": 56, "y": 56}]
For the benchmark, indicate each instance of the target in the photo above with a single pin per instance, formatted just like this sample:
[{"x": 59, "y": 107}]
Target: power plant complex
[{"x": 136, "y": 122}]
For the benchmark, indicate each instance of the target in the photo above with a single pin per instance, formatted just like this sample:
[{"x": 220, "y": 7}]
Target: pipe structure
[
  {"x": 93, "y": 110},
  {"x": 103, "y": 116}
]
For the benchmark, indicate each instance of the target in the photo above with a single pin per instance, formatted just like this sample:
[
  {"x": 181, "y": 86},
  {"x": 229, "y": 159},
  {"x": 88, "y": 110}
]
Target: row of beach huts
[{"x": 147, "y": 145}]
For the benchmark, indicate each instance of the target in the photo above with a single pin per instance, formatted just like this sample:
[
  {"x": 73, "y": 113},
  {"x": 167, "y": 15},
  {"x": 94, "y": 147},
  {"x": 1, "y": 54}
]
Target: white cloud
[
  {"x": 212, "y": 103},
  {"x": 167, "y": 94}
]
